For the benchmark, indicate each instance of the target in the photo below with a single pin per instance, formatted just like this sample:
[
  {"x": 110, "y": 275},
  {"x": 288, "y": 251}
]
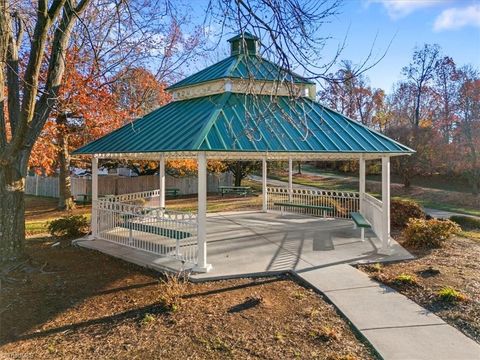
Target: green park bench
[
  {"x": 360, "y": 222},
  {"x": 324, "y": 209},
  {"x": 172, "y": 192},
  {"x": 235, "y": 190},
  {"x": 84, "y": 198}
]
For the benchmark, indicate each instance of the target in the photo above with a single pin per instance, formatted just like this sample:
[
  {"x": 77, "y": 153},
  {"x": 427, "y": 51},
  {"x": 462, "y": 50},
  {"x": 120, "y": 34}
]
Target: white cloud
[
  {"x": 455, "y": 18},
  {"x": 400, "y": 8}
]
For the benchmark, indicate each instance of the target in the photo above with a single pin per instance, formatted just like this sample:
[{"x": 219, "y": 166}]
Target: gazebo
[{"x": 241, "y": 108}]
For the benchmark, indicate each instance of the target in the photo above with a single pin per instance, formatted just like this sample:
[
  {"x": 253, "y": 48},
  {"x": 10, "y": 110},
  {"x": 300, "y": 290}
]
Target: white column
[
  {"x": 94, "y": 219},
  {"x": 290, "y": 179},
  {"x": 361, "y": 180},
  {"x": 161, "y": 173},
  {"x": 264, "y": 184},
  {"x": 386, "y": 203},
  {"x": 202, "y": 265}
]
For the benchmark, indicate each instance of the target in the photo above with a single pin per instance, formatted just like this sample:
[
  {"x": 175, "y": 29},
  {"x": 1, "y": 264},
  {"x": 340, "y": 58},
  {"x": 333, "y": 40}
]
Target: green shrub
[
  {"x": 466, "y": 222},
  {"x": 69, "y": 226},
  {"x": 406, "y": 279},
  {"x": 450, "y": 294},
  {"x": 425, "y": 234},
  {"x": 403, "y": 210}
]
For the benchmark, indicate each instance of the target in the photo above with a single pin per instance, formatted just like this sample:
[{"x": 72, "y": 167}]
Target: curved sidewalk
[{"x": 398, "y": 328}]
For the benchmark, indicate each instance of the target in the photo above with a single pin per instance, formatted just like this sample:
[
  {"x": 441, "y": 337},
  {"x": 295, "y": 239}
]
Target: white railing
[
  {"x": 152, "y": 229},
  {"x": 132, "y": 196},
  {"x": 342, "y": 202},
  {"x": 372, "y": 210}
]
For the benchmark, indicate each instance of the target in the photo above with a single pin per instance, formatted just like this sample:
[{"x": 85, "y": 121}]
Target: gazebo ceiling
[{"x": 236, "y": 120}]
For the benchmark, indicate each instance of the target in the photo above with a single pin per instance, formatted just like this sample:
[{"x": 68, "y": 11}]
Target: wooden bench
[
  {"x": 316, "y": 207},
  {"x": 360, "y": 222},
  {"x": 236, "y": 190},
  {"x": 172, "y": 192}
]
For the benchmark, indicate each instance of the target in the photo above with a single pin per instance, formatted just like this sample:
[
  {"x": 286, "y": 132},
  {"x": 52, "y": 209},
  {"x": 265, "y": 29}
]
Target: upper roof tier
[{"x": 244, "y": 64}]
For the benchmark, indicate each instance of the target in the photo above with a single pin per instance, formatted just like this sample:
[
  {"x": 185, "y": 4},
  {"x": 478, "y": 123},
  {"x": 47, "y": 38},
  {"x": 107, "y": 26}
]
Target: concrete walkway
[{"x": 397, "y": 327}]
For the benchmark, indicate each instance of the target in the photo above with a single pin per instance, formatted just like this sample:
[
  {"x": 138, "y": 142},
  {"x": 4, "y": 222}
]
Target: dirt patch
[
  {"x": 68, "y": 302},
  {"x": 44, "y": 208},
  {"x": 454, "y": 266}
]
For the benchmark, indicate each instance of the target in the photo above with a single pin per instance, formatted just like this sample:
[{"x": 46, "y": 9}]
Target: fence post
[{"x": 36, "y": 184}]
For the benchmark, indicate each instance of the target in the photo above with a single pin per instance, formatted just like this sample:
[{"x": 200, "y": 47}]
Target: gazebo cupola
[
  {"x": 245, "y": 43},
  {"x": 244, "y": 72}
]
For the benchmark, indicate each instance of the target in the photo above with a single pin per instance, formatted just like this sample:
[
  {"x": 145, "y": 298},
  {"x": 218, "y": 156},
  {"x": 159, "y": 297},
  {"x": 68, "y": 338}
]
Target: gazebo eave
[{"x": 250, "y": 155}]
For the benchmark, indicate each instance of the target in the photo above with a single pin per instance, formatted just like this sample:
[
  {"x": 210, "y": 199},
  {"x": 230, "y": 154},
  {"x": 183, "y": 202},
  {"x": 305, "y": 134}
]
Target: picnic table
[
  {"x": 172, "y": 192},
  {"x": 236, "y": 190},
  {"x": 84, "y": 198}
]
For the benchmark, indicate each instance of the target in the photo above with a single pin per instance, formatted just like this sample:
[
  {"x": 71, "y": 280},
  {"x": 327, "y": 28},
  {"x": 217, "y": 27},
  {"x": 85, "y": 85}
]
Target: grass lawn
[
  {"x": 437, "y": 271},
  {"x": 438, "y": 182},
  {"x": 70, "y": 302}
]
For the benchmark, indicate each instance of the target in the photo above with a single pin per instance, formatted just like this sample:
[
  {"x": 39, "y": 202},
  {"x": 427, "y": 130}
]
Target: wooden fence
[{"x": 117, "y": 185}]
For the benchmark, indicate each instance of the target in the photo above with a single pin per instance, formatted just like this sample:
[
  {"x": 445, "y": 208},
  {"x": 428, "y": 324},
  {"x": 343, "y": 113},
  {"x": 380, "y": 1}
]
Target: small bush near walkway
[
  {"x": 426, "y": 234},
  {"x": 69, "y": 226},
  {"x": 403, "y": 210}
]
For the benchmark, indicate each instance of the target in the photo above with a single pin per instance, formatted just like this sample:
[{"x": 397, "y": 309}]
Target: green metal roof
[
  {"x": 244, "y": 123},
  {"x": 242, "y": 66},
  {"x": 245, "y": 35}
]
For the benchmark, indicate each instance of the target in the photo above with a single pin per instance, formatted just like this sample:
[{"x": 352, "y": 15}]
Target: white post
[
  {"x": 264, "y": 184},
  {"x": 386, "y": 204},
  {"x": 94, "y": 220},
  {"x": 202, "y": 265},
  {"x": 361, "y": 181},
  {"x": 290, "y": 179},
  {"x": 161, "y": 173}
]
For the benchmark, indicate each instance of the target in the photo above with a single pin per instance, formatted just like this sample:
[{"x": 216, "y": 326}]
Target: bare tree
[
  {"x": 30, "y": 101},
  {"x": 420, "y": 72}
]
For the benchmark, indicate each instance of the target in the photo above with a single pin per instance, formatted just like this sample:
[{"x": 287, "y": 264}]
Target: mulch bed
[
  {"x": 455, "y": 265},
  {"x": 68, "y": 302}
]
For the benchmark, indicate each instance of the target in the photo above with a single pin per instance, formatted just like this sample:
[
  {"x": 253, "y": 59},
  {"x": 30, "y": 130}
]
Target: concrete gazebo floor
[{"x": 255, "y": 243}]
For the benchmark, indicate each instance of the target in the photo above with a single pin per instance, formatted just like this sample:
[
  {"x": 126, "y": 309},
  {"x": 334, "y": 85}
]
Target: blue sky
[{"x": 453, "y": 24}]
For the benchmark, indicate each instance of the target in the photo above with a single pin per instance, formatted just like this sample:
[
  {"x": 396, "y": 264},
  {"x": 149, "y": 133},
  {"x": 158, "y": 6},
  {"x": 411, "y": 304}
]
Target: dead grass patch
[{"x": 85, "y": 305}]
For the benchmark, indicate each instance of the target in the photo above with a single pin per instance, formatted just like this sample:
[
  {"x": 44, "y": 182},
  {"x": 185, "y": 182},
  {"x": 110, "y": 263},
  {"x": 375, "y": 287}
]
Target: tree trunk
[
  {"x": 12, "y": 211},
  {"x": 65, "y": 201},
  {"x": 238, "y": 174}
]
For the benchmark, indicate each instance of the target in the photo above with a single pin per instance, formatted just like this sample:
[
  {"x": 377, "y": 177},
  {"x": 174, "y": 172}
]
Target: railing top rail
[
  {"x": 319, "y": 192},
  {"x": 373, "y": 200},
  {"x": 132, "y": 196}
]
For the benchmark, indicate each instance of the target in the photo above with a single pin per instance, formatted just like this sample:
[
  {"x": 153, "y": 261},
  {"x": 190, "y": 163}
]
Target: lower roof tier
[{"x": 244, "y": 123}]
